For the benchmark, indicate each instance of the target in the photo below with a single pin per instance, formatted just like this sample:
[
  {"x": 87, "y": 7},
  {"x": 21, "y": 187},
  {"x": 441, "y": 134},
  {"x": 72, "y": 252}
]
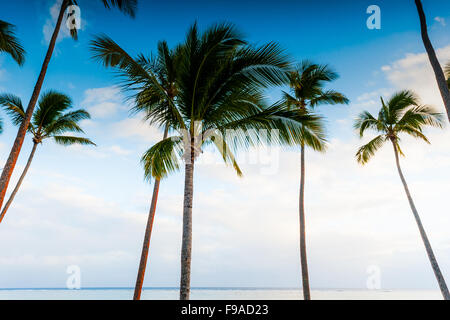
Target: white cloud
[
  {"x": 103, "y": 102},
  {"x": 415, "y": 72},
  {"x": 136, "y": 128},
  {"x": 440, "y": 20}
]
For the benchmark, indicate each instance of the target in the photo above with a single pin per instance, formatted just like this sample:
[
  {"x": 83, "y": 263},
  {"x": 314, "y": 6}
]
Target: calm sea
[{"x": 215, "y": 294}]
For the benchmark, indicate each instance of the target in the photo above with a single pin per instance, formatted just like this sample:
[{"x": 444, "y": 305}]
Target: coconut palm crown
[
  {"x": 52, "y": 118},
  {"x": 402, "y": 114}
]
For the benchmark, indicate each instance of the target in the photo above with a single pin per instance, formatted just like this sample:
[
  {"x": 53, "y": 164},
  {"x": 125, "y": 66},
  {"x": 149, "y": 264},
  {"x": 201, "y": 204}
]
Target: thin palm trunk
[
  {"x": 147, "y": 237},
  {"x": 186, "y": 247},
  {"x": 13, "y": 194},
  {"x": 440, "y": 77},
  {"x": 431, "y": 257},
  {"x": 303, "y": 258},
  {"x": 15, "y": 151}
]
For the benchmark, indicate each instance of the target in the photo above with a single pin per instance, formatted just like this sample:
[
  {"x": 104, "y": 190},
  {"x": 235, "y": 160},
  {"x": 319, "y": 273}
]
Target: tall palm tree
[
  {"x": 307, "y": 91},
  {"x": 440, "y": 78},
  {"x": 126, "y": 6},
  {"x": 219, "y": 83},
  {"x": 10, "y": 44},
  {"x": 52, "y": 119},
  {"x": 402, "y": 114},
  {"x": 152, "y": 82}
]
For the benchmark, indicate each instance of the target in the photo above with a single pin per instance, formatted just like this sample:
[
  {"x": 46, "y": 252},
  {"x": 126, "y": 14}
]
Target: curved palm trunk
[
  {"x": 186, "y": 247},
  {"x": 440, "y": 78},
  {"x": 303, "y": 259},
  {"x": 15, "y": 151},
  {"x": 11, "y": 198},
  {"x": 431, "y": 257},
  {"x": 147, "y": 237}
]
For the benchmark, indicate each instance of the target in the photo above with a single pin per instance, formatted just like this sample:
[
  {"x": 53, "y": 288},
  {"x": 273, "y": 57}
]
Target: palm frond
[
  {"x": 399, "y": 103},
  {"x": 419, "y": 116},
  {"x": 366, "y": 152},
  {"x": 128, "y": 7},
  {"x": 162, "y": 158},
  {"x": 367, "y": 121},
  {"x": 139, "y": 76},
  {"x": 329, "y": 97},
  {"x": 51, "y": 105},
  {"x": 69, "y": 140},
  {"x": 10, "y": 44},
  {"x": 13, "y": 107}
]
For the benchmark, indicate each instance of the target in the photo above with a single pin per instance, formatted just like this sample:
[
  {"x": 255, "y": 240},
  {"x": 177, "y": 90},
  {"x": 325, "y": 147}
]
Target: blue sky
[{"x": 87, "y": 206}]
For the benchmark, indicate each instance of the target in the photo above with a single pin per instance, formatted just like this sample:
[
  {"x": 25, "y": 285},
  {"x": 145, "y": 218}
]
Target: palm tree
[
  {"x": 307, "y": 85},
  {"x": 51, "y": 120},
  {"x": 152, "y": 82},
  {"x": 126, "y": 6},
  {"x": 220, "y": 78},
  {"x": 440, "y": 78},
  {"x": 402, "y": 114},
  {"x": 10, "y": 44}
]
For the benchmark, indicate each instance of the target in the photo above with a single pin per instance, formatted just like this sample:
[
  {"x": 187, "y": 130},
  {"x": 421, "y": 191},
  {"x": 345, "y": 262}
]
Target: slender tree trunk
[
  {"x": 186, "y": 247},
  {"x": 303, "y": 258},
  {"x": 11, "y": 198},
  {"x": 15, "y": 151},
  {"x": 440, "y": 77},
  {"x": 426, "y": 242},
  {"x": 147, "y": 237}
]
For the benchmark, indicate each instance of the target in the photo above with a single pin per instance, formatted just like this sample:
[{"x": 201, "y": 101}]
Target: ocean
[{"x": 216, "y": 294}]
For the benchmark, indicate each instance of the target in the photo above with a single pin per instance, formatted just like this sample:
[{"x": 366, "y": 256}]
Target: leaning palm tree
[
  {"x": 126, "y": 6},
  {"x": 307, "y": 85},
  {"x": 52, "y": 119},
  {"x": 403, "y": 113},
  {"x": 10, "y": 44},
  {"x": 151, "y": 83},
  {"x": 219, "y": 98},
  {"x": 440, "y": 78}
]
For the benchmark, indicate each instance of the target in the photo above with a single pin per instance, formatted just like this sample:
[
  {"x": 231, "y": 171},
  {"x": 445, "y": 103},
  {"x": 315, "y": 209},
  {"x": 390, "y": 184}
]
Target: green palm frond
[
  {"x": 69, "y": 140},
  {"x": 398, "y": 103},
  {"x": 50, "y": 106},
  {"x": 419, "y": 116},
  {"x": 162, "y": 158},
  {"x": 226, "y": 153},
  {"x": 10, "y": 44},
  {"x": 142, "y": 77},
  {"x": 13, "y": 107},
  {"x": 329, "y": 97},
  {"x": 367, "y": 121},
  {"x": 366, "y": 152},
  {"x": 128, "y": 7}
]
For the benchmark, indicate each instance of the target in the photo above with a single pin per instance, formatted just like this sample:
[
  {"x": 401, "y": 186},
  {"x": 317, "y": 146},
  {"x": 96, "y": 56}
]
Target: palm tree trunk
[
  {"x": 303, "y": 259},
  {"x": 186, "y": 247},
  {"x": 431, "y": 257},
  {"x": 11, "y": 198},
  {"x": 15, "y": 151},
  {"x": 440, "y": 77},
  {"x": 147, "y": 237}
]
